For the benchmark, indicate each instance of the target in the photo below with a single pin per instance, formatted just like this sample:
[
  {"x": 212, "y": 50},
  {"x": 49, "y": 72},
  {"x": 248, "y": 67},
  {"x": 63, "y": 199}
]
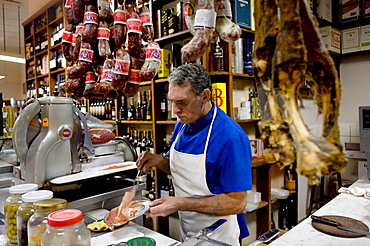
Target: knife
[{"x": 338, "y": 225}]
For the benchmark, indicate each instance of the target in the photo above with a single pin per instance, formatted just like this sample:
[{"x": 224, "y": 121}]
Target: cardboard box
[
  {"x": 350, "y": 40},
  {"x": 219, "y": 95},
  {"x": 365, "y": 38},
  {"x": 242, "y": 13},
  {"x": 324, "y": 10},
  {"x": 367, "y": 8},
  {"x": 331, "y": 38},
  {"x": 164, "y": 69},
  {"x": 350, "y": 10}
]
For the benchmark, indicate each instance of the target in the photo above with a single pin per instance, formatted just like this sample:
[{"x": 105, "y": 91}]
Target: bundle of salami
[
  {"x": 207, "y": 19},
  {"x": 108, "y": 51}
]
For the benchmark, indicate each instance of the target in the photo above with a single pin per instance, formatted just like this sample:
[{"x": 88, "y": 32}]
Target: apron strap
[{"x": 210, "y": 129}]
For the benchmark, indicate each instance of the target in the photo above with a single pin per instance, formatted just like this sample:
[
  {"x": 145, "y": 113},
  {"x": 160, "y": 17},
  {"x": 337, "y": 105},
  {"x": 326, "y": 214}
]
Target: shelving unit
[{"x": 40, "y": 26}]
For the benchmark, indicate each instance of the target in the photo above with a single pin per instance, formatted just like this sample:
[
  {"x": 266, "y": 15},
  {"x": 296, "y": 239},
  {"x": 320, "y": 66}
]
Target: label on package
[
  {"x": 79, "y": 30},
  {"x": 68, "y": 4},
  {"x": 86, "y": 55},
  {"x": 67, "y": 37},
  {"x": 122, "y": 67},
  {"x": 134, "y": 26},
  {"x": 120, "y": 17},
  {"x": 90, "y": 77},
  {"x": 188, "y": 9},
  {"x": 145, "y": 18},
  {"x": 205, "y": 18},
  {"x": 223, "y": 8},
  {"x": 134, "y": 76},
  {"x": 74, "y": 40},
  {"x": 103, "y": 33},
  {"x": 153, "y": 54},
  {"x": 91, "y": 18},
  {"x": 107, "y": 75}
]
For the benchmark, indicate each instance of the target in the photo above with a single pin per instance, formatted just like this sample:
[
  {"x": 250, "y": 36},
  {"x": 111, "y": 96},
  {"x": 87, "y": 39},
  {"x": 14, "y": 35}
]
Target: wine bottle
[
  {"x": 151, "y": 194},
  {"x": 113, "y": 110},
  {"x": 131, "y": 115},
  {"x": 138, "y": 107},
  {"x": 149, "y": 143},
  {"x": 123, "y": 110},
  {"x": 149, "y": 106},
  {"x": 144, "y": 107},
  {"x": 218, "y": 55},
  {"x": 164, "y": 107}
]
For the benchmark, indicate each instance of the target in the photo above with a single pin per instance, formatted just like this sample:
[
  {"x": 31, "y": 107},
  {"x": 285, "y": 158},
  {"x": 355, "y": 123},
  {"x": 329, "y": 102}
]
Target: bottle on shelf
[
  {"x": 143, "y": 142},
  {"x": 164, "y": 106},
  {"x": 138, "y": 107},
  {"x": 218, "y": 56},
  {"x": 113, "y": 110},
  {"x": 165, "y": 148},
  {"x": 149, "y": 107},
  {"x": 171, "y": 191},
  {"x": 137, "y": 142},
  {"x": 123, "y": 110},
  {"x": 144, "y": 107},
  {"x": 164, "y": 190},
  {"x": 131, "y": 115},
  {"x": 108, "y": 109},
  {"x": 149, "y": 143},
  {"x": 152, "y": 192}
]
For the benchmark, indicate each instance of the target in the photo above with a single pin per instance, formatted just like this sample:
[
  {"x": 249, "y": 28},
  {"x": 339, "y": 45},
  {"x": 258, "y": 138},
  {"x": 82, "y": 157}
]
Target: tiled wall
[{"x": 349, "y": 133}]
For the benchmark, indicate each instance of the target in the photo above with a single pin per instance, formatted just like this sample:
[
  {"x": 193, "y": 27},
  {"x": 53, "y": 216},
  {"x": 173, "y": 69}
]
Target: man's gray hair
[{"x": 196, "y": 74}]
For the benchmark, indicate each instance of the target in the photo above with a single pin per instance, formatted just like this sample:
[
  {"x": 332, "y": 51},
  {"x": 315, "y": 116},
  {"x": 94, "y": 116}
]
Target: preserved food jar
[
  {"x": 26, "y": 210},
  {"x": 66, "y": 228},
  {"x": 37, "y": 223},
  {"x": 11, "y": 206}
]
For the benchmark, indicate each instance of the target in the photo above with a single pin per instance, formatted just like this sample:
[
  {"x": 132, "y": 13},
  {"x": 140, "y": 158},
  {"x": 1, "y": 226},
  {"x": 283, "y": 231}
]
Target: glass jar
[
  {"x": 66, "y": 228},
  {"x": 26, "y": 210},
  {"x": 37, "y": 223},
  {"x": 11, "y": 206}
]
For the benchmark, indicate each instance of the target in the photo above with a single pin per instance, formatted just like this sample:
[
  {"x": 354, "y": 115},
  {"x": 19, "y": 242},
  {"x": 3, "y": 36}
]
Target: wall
[{"x": 12, "y": 15}]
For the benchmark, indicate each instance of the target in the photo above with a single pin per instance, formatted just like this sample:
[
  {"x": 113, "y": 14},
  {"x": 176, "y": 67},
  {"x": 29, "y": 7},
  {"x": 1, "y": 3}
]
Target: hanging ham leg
[{"x": 284, "y": 58}]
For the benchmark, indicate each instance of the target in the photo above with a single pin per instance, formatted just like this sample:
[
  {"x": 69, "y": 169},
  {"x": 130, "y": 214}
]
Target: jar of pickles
[
  {"x": 66, "y": 228},
  {"x": 37, "y": 223},
  {"x": 11, "y": 206},
  {"x": 26, "y": 210}
]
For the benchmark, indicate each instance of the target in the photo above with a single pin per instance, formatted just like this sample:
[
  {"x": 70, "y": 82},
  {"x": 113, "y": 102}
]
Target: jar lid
[
  {"x": 51, "y": 204},
  {"x": 65, "y": 217},
  {"x": 34, "y": 196},
  {"x": 22, "y": 188}
]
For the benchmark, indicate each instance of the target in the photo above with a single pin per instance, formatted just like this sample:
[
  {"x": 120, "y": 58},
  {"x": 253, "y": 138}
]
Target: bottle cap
[
  {"x": 65, "y": 217},
  {"x": 34, "y": 196},
  {"x": 51, "y": 204},
  {"x": 23, "y": 188}
]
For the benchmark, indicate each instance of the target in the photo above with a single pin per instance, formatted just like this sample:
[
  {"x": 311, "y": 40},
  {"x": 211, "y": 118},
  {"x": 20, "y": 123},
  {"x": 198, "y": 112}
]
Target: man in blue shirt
[{"x": 209, "y": 160}]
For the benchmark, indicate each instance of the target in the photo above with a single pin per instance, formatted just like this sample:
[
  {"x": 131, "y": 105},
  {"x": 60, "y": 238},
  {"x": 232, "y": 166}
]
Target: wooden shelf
[
  {"x": 145, "y": 83},
  {"x": 174, "y": 37},
  {"x": 58, "y": 46},
  {"x": 41, "y": 30},
  {"x": 41, "y": 76},
  {"x": 28, "y": 38},
  {"x": 214, "y": 73},
  {"x": 44, "y": 52},
  {"x": 163, "y": 80},
  {"x": 60, "y": 70},
  {"x": 56, "y": 21},
  {"x": 248, "y": 121},
  {"x": 166, "y": 122},
  {"x": 243, "y": 75},
  {"x": 141, "y": 122},
  {"x": 30, "y": 79}
]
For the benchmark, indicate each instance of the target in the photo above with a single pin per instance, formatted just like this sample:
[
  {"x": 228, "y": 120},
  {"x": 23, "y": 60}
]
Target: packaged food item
[
  {"x": 37, "y": 223},
  {"x": 66, "y": 228},
  {"x": 11, "y": 206},
  {"x": 26, "y": 210}
]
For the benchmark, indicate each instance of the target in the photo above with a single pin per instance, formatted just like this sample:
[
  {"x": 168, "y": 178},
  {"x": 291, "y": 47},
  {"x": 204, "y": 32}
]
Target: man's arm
[
  {"x": 221, "y": 204},
  {"x": 147, "y": 161}
]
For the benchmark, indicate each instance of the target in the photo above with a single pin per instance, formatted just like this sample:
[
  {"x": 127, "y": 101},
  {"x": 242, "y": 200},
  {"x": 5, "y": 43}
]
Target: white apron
[{"x": 189, "y": 180}]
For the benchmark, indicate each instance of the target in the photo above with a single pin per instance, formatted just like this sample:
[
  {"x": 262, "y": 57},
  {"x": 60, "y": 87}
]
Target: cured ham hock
[{"x": 289, "y": 52}]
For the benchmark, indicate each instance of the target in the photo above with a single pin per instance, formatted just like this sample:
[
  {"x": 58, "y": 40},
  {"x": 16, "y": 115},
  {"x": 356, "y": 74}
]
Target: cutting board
[{"x": 334, "y": 231}]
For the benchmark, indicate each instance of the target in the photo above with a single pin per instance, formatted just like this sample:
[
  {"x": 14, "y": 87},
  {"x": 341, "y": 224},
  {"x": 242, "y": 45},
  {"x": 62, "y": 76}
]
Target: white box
[
  {"x": 324, "y": 10},
  {"x": 350, "y": 40},
  {"x": 253, "y": 197},
  {"x": 350, "y": 10},
  {"x": 331, "y": 38},
  {"x": 355, "y": 154},
  {"x": 279, "y": 193},
  {"x": 365, "y": 38}
]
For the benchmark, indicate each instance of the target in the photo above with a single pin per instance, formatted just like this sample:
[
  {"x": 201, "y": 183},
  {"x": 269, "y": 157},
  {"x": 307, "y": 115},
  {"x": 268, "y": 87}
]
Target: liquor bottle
[
  {"x": 138, "y": 142},
  {"x": 138, "y": 107},
  {"x": 283, "y": 215},
  {"x": 144, "y": 107},
  {"x": 131, "y": 115},
  {"x": 169, "y": 110},
  {"x": 165, "y": 148},
  {"x": 164, "y": 106},
  {"x": 151, "y": 194},
  {"x": 149, "y": 106},
  {"x": 123, "y": 110},
  {"x": 164, "y": 190},
  {"x": 131, "y": 138},
  {"x": 171, "y": 191},
  {"x": 149, "y": 143},
  {"x": 218, "y": 55},
  {"x": 108, "y": 110},
  {"x": 135, "y": 143},
  {"x": 83, "y": 106},
  {"x": 113, "y": 110},
  {"x": 143, "y": 142},
  {"x": 173, "y": 22}
]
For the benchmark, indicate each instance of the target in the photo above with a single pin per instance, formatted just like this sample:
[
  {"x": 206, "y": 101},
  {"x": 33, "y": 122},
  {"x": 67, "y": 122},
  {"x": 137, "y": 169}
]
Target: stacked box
[
  {"x": 242, "y": 13},
  {"x": 324, "y": 10},
  {"x": 365, "y": 38},
  {"x": 350, "y": 10},
  {"x": 164, "y": 69},
  {"x": 350, "y": 40},
  {"x": 219, "y": 95},
  {"x": 331, "y": 38}
]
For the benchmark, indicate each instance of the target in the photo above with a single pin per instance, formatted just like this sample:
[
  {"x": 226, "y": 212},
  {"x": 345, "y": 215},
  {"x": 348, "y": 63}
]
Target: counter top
[{"x": 344, "y": 204}]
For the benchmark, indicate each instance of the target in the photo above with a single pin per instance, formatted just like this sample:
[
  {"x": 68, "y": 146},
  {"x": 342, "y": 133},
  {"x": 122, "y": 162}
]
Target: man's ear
[{"x": 206, "y": 95}]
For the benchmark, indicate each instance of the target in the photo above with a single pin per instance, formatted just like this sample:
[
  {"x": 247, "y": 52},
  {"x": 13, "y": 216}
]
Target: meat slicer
[{"x": 52, "y": 142}]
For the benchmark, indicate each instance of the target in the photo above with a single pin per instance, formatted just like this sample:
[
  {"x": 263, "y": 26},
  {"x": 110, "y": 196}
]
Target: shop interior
[{"x": 281, "y": 201}]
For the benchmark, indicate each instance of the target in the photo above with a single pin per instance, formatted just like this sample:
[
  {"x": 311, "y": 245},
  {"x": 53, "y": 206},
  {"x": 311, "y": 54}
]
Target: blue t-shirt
[{"x": 228, "y": 158}]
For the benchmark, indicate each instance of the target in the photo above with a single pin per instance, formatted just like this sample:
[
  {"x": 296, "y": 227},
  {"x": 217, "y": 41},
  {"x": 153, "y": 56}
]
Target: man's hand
[{"x": 147, "y": 161}]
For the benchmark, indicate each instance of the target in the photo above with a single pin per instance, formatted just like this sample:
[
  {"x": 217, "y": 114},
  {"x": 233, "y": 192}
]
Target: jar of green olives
[
  {"x": 37, "y": 223},
  {"x": 26, "y": 210},
  {"x": 11, "y": 206}
]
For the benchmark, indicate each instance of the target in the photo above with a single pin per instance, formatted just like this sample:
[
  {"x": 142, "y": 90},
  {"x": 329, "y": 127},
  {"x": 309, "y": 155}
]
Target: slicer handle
[{"x": 325, "y": 220}]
